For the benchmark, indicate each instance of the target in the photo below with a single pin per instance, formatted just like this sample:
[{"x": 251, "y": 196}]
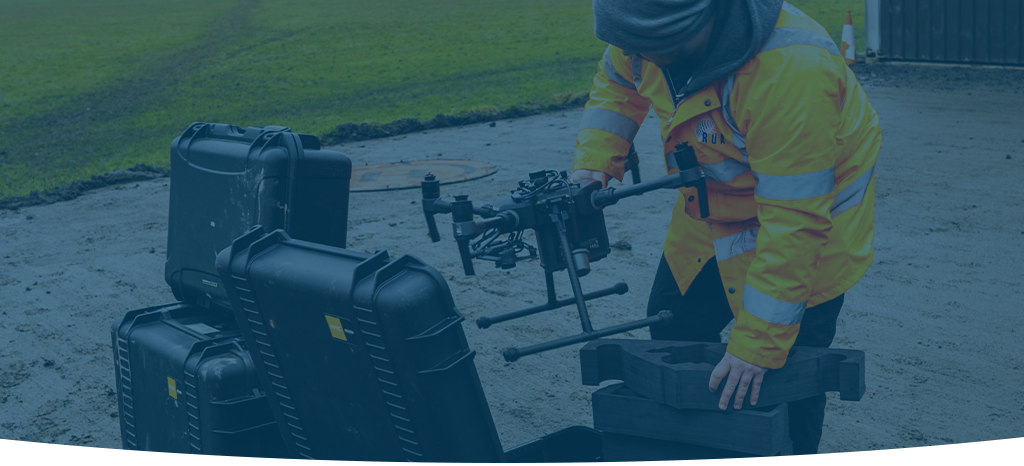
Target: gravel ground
[{"x": 937, "y": 313}]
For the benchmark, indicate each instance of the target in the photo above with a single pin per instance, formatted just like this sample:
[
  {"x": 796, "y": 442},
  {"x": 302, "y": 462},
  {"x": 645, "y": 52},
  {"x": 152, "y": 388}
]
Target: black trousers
[{"x": 703, "y": 312}]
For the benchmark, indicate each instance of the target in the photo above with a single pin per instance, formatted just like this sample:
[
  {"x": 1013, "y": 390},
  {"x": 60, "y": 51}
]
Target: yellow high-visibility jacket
[{"x": 787, "y": 144}]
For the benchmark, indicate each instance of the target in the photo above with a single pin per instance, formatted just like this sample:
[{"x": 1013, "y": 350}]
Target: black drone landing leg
[
  {"x": 512, "y": 354},
  {"x": 589, "y": 334},
  {"x": 553, "y": 302}
]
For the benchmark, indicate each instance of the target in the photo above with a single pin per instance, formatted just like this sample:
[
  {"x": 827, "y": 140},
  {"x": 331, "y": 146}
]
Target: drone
[{"x": 568, "y": 222}]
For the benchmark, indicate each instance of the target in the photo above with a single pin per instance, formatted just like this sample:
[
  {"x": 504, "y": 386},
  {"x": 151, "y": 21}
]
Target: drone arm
[
  {"x": 445, "y": 207},
  {"x": 689, "y": 175},
  {"x": 610, "y": 196},
  {"x": 432, "y": 204}
]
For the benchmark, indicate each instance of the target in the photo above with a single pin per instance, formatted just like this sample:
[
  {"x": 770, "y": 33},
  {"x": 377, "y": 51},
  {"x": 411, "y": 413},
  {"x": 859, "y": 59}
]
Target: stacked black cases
[
  {"x": 226, "y": 179},
  {"x": 676, "y": 373},
  {"x": 185, "y": 384},
  {"x": 665, "y": 411},
  {"x": 364, "y": 357}
]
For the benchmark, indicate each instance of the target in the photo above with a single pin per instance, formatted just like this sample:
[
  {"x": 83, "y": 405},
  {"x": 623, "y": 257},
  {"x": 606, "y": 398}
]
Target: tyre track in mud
[{"x": 81, "y": 128}]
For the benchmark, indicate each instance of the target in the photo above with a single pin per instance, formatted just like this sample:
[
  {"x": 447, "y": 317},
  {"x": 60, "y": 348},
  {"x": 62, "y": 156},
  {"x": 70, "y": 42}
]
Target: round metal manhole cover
[{"x": 407, "y": 175}]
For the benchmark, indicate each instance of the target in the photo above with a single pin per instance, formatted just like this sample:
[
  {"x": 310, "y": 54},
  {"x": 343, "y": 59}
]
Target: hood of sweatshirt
[{"x": 741, "y": 29}]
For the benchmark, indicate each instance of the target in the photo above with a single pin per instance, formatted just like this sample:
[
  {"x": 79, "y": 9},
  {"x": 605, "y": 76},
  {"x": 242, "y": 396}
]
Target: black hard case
[
  {"x": 364, "y": 356},
  {"x": 226, "y": 179},
  {"x": 185, "y": 384}
]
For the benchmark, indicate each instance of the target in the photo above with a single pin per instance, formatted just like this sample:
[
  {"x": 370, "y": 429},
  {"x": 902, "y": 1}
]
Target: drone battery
[
  {"x": 226, "y": 179},
  {"x": 185, "y": 384},
  {"x": 364, "y": 356}
]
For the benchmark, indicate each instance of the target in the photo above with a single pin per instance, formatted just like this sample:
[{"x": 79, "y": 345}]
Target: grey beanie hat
[{"x": 650, "y": 26}]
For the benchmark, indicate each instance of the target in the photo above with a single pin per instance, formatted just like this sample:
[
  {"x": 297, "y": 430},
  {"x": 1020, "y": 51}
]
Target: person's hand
[
  {"x": 584, "y": 177},
  {"x": 742, "y": 375}
]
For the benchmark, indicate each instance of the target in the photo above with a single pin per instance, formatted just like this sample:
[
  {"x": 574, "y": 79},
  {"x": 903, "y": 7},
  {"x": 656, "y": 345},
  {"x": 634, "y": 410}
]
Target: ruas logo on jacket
[{"x": 707, "y": 133}]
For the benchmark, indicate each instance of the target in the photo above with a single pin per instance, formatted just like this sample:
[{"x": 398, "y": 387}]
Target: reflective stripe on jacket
[{"x": 788, "y": 145}]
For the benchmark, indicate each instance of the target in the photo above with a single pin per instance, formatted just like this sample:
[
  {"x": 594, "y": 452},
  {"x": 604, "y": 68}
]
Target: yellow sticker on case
[
  {"x": 337, "y": 331},
  {"x": 172, "y": 388}
]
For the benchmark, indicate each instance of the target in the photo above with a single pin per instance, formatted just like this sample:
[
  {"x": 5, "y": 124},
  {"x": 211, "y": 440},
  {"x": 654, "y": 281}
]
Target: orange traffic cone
[{"x": 846, "y": 48}]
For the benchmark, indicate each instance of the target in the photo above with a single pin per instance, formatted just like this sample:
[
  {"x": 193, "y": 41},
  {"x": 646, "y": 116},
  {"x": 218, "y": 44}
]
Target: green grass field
[{"x": 89, "y": 87}]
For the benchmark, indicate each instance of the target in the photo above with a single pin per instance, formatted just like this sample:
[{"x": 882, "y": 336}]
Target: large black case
[
  {"x": 365, "y": 356},
  {"x": 226, "y": 179},
  {"x": 185, "y": 384}
]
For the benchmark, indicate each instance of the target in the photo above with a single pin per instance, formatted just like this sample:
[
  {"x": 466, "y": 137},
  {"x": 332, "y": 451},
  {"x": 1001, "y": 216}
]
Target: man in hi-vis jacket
[{"x": 787, "y": 141}]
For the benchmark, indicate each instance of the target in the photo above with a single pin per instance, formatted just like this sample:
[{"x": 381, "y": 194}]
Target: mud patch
[
  {"x": 40, "y": 331},
  {"x": 14, "y": 375},
  {"x": 41, "y": 429},
  {"x": 81, "y": 441},
  {"x": 52, "y": 407}
]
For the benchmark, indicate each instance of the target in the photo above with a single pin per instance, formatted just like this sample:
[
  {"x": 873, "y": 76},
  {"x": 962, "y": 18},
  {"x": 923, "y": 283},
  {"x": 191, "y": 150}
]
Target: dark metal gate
[{"x": 974, "y": 31}]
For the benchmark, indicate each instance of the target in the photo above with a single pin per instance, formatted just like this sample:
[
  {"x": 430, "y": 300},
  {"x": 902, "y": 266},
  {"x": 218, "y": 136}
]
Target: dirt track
[{"x": 937, "y": 314}]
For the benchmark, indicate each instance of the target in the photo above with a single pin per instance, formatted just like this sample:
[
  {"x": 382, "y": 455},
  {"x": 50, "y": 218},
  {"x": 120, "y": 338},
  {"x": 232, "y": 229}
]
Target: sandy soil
[{"x": 937, "y": 314}]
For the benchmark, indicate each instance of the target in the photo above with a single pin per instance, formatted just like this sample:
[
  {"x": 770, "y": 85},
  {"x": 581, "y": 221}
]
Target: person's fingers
[
  {"x": 741, "y": 390},
  {"x": 730, "y": 387},
  {"x": 755, "y": 388},
  {"x": 586, "y": 179},
  {"x": 721, "y": 370}
]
